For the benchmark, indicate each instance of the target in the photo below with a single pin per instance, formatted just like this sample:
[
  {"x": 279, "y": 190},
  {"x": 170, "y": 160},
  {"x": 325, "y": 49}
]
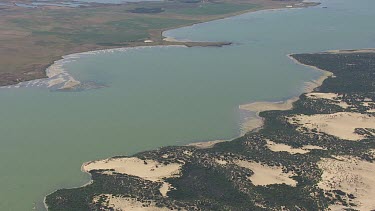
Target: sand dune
[
  {"x": 145, "y": 169},
  {"x": 341, "y": 124},
  {"x": 267, "y": 175},
  {"x": 351, "y": 175},
  {"x": 332, "y": 97},
  {"x": 126, "y": 203}
]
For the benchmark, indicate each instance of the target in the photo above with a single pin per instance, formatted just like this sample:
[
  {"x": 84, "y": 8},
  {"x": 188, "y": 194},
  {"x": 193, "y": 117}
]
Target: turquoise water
[{"x": 164, "y": 95}]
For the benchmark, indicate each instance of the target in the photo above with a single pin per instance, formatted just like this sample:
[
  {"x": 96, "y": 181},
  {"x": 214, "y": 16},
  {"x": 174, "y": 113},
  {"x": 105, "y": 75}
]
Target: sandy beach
[{"x": 257, "y": 107}]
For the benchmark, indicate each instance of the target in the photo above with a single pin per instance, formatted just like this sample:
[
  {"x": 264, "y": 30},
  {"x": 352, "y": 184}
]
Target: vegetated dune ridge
[{"x": 286, "y": 165}]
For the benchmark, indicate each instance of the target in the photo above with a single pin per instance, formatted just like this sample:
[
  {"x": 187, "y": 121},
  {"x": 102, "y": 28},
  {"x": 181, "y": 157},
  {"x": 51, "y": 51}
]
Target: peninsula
[{"x": 34, "y": 34}]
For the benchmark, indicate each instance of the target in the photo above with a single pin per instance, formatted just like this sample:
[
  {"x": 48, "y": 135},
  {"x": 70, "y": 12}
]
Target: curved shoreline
[
  {"x": 177, "y": 43},
  {"x": 256, "y": 107},
  {"x": 260, "y": 106}
]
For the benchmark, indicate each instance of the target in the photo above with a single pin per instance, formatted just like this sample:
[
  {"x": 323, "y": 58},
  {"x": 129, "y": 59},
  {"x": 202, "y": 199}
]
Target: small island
[{"x": 317, "y": 154}]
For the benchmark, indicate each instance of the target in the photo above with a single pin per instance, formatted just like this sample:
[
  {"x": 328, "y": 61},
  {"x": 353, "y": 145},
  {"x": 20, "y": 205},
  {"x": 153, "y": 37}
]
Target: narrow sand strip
[{"x": 206, "y": 144}]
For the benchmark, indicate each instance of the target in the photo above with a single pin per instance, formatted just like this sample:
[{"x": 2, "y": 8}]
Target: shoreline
[
  {"x": 172, "y": 42},
  {"x": 256, "y": 122},
  {"x": 160, "y": 40},
  {"x": 257, "y": 107}
]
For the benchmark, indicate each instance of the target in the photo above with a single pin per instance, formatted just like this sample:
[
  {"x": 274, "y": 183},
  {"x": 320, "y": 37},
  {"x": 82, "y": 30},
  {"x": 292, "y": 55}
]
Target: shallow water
[{"x": 164, "y": 95}]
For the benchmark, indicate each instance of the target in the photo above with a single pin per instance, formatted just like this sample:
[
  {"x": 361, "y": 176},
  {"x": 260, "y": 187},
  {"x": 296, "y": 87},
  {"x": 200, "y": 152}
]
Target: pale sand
[
  {"x": 221, "y": 162},
  {"x": 55, "y": 81},
  {"x": 311, "y": 147},
  {"x": 341, "y": 124},
  {"x": 126, "y": 203},
  {"x": 54, "y": 70},
  {"x": 276, "y": 147},
  {"x": 145, "y": 169},
  {"x": 251, "y": 124},
  {"x": 206, "y": 144},
  {"x": 257, "y": 107},
  {"x": 171, "y": 39},
  {"x": 351, "y": 175},
  {"x": 71, "y": 83},
  {"x": 165, "y": 188},
  {"x": 320, "y": 95},
  {"x": 332, "y": 97},
  {"x": 265, "y": 106},
  {"x": 267, "y": 175},
  {"x": 284, "y": 148},
  {"x": 148, "y": 169}
]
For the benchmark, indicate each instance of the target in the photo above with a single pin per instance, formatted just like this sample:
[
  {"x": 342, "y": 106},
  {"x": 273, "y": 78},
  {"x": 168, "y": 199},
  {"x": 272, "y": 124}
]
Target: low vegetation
[{"x": 31, "y": 38}]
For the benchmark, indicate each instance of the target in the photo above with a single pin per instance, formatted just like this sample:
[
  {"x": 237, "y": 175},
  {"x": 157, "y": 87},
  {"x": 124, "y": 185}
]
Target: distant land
[
  {"x": 317, "y": 155},
  {"x": 34, "y": 34}
]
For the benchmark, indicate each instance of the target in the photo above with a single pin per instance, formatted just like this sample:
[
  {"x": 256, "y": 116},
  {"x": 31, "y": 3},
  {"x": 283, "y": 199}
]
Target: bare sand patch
[
  {"x": 221, "y": 162},
  {"x": 56, "y": 81},
  {"x": 352, "y": 176},
  {"x": 311, "y": 147},
  {"x": 252, "y": 123},
  {"x": 332, "y": 97},
  {"x": 266, "y": 106},
  {"x": 328, "y": 96},
  {"x": 146, "y": 169},
  {"x": 276, "y": 147},
  {"x": 71, "y": 83},
  {"x": 126, "y": 203},
  {"x": 267, "y": 175},
  {"x": 165, "y": 187},
  {"x": 206, "y": 144},
  {"x": 341, "y": 124}
]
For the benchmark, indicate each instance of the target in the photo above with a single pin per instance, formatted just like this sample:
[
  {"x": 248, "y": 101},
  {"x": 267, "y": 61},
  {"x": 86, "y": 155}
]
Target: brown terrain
[{"x": 33, "y": 38}]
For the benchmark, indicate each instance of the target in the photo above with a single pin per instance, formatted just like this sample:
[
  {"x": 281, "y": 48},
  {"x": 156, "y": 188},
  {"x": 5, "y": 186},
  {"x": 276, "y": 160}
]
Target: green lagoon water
[{"x": 164, "y": 95}]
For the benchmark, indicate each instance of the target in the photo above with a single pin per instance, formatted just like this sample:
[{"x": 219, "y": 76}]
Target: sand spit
[
  {"x": 266, "y": 106},
  {"x": 267, "y": 175},
  {"x": 252, "y": 123},
  {"x": 369, "y": 50},
  {"x": 255, "y": 122},
  {"x": 352, "y": 176},
  {"x": 58, "y": 78},
  {"x": 125, "y": 203},
  {"x": 205, "y": 144},
  {"x": 341, "y": 124}
]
